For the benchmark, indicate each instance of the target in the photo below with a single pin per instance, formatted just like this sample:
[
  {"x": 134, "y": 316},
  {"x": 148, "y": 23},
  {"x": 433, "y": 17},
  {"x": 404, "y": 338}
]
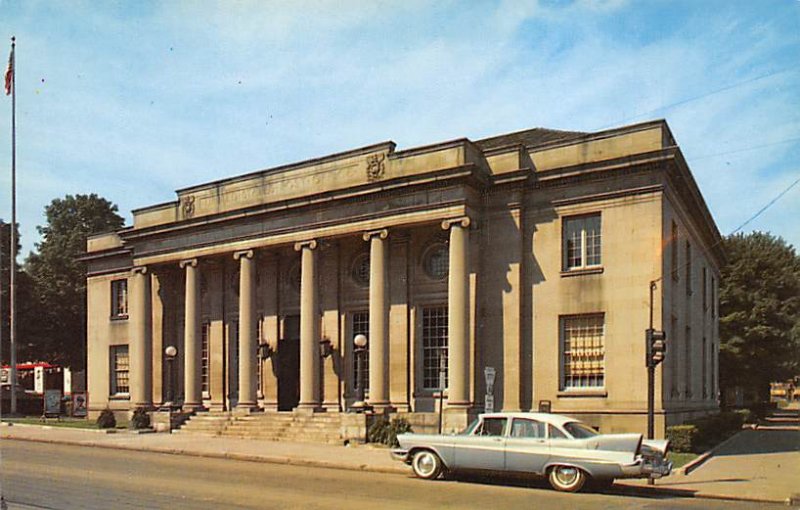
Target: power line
[
  {"x": 701, "y": 96},
  {"x": 745, "y": 149}
]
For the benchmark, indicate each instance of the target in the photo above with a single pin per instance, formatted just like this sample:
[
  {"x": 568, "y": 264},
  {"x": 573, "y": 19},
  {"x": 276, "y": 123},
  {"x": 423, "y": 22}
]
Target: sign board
[
  {"x": 4, "y": 379},
  {"x": 67, "y": 381},
  {"x": 489, "y": 374},
  {"x": 79, "y": 401},
  {"x": 52, "y": 402},
  {"x": 38, "y": 379},
  {"x": 489, "y": 405}
]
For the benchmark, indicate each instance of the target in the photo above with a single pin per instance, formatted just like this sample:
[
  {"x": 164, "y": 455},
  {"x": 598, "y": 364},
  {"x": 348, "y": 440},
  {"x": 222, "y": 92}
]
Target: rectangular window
[
  {"x": 673, "y": 359},
  {"x": 434, "y": 347},
  {"x": 120, "y": 366},
  {"x": 688, "y": 268},
  {"x": 713, "y": 297},
  {"x": 705, "y": 289},
  {"x": 687, "y": 360},
  {"x": 119, "y": 299},
  {"x": 360, "y": 324},
  {"x": 583, "y": 351},
  {"x": 581, "y": 242},
  {"x": 205, "y": 329},
  {"x": 674, "y": 251},
  {"x": 705, "y": 368}
]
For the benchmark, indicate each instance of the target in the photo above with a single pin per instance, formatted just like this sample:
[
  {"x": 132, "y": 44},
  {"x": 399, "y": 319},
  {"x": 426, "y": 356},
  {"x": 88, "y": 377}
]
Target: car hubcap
[
  {"x": 566, "y": 475},
  {"x": 425, "y": 464}
]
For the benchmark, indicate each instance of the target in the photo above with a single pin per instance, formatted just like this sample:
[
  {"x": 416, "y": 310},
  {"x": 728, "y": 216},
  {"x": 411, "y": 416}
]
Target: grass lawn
[
  {"x": 73, "y": 423},
  {"x": 681, "y": 459}
]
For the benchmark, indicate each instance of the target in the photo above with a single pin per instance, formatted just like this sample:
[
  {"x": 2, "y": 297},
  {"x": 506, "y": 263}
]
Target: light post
[
  {"x": 170, "y": 352},
  {"x": 442, "y": 386},
  {"x": 360, "y": 342}
]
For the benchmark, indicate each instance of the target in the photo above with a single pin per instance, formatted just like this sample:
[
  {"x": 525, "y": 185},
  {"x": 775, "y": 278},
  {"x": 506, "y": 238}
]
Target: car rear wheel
[
  {"x": 426, "y": 465},
  {"x": 567, "y": 478}
]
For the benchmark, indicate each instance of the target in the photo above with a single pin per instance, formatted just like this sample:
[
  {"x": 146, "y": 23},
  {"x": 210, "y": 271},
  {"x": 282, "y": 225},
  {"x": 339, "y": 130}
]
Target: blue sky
[{"x": 132, "y": 100}]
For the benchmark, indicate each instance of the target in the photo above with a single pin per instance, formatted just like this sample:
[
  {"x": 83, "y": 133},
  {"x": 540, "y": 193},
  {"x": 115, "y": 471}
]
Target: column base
[
  {"x": 246, "y": 408},
  {"x": 456, "y": 417},
  {"x": 308, "y": 408},
  {"x": 382, "y": 407},
  {"x": 190, "y": 407}
]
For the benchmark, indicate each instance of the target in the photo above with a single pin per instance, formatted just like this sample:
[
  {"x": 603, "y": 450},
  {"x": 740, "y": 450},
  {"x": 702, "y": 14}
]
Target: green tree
[
  {"x": 59, "y": 277},
  {"x": 759, "y": 312}
]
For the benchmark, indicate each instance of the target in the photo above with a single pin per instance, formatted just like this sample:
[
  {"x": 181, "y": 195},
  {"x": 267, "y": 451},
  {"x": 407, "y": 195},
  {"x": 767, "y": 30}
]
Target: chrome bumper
[
  {"x": 647, "y": 468},
  {"x": 401, "y": 455}
]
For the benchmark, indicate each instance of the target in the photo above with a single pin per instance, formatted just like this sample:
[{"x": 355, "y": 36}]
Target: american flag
[{"x": 10, "y": 73}]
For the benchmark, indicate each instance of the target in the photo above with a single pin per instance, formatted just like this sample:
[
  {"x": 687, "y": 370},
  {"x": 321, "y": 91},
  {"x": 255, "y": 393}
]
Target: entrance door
[
  {"x": 233, "y": 363},
  {"x": 289, "y": 364}
]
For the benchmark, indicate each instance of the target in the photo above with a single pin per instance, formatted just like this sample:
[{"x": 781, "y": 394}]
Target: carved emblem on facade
[
  {"x": 187, "y": 206},
  {"x": 375, "y": 167}
]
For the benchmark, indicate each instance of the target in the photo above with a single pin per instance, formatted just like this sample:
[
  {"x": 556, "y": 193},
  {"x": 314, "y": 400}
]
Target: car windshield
[
  {"x": 579, "y": 430},
  {"x": 470, "y": 428}
]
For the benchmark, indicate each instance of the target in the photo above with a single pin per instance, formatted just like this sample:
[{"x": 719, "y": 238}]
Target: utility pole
[{"x": 656, "y": 349}]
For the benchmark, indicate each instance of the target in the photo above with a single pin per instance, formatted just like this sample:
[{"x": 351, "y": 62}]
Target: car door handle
[{"x": 497, "y": 439}]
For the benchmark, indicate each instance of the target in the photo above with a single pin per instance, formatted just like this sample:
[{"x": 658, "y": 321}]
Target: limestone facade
[{"x": 528, "y": 253}]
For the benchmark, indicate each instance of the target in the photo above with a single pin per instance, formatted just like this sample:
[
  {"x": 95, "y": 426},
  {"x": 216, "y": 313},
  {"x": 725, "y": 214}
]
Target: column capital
[
  {"x": 310, "y": 244},
  {"x": 382, "y": 233},
  {"x": 248, "y": 254},
  {"x": 139, "y": 270},
  {"x": 463, "y": 222},
  {"x": 188, "y": 262}
]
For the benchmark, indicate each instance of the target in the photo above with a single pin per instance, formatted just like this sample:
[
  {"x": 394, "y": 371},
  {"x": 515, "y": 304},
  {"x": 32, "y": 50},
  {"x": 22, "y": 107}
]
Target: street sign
[
  {"x": 79, "y": 404},
  {"x": 38, "y": 380},
  {"x": 489, "y": 404},
  {"x": 489, "y": 374},
  {"x": 52, "y": 402}
]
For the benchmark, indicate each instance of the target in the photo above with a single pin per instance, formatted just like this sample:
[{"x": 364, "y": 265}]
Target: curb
[
  {"x": 685, "y": 493},
  {"x": 221, "y": 455}
]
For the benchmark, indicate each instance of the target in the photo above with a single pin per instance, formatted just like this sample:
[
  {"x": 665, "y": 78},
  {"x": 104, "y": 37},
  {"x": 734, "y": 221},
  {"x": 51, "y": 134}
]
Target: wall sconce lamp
[
  {"x": 265, "y": 351},
  {"x": 325, "y": 348}
]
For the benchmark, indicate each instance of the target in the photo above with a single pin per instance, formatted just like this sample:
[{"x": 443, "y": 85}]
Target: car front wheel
[
  {"x": 426, "y": 465},
  {"x": 567, "y": 478}
]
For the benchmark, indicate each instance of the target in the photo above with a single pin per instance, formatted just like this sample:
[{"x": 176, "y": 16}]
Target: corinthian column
[
  {"x": 458, "y": 313},
  {"x": 192, "y": 399},
  {"x": 309, "y": 335},
  {"x": 247, "y": 331},
  {"x": 141, "y": 348},
  {"x": 378, "y": 315}
]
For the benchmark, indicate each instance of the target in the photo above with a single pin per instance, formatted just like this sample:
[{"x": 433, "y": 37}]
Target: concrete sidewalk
[
  {"x": 753, "y": 466},
  {"x": 756, "y": 465}
]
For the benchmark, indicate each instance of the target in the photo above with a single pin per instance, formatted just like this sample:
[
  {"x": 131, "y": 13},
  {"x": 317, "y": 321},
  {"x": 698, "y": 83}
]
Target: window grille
[
  {"x": 583, "y": 348},
  {"x": 436, "y": 261},
  {"x": 120, "y": 367},
  {"x": 582, "y": 242},
  {"x": 360, "y": 324},
  {"x": 434, "y": 347},
  {"x": 204, "y": 358}
]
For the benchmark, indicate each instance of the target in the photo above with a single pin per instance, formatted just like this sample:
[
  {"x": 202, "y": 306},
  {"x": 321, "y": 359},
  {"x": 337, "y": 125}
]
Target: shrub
[
  {"x": 385, "y": 431},
  {"x": 140, "y": 419},
  {"x": 681, "y": 437},
  {"x": 106, "y": 419}
]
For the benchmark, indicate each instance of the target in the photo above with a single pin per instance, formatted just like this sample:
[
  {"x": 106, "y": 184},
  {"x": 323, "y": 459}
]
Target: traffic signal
[{"x": 656, "y": 346}]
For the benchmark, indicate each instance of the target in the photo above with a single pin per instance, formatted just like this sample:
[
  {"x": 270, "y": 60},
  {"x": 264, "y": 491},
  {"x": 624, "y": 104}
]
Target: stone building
[{"x": 529, "y": 254}]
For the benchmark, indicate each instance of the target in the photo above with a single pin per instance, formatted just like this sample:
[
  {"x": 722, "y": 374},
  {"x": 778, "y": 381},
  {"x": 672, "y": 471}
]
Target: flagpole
[{"x": 13, "y": 262}]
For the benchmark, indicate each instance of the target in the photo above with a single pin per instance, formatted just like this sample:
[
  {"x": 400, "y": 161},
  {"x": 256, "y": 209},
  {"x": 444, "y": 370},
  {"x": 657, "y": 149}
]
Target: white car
[{"x": 568, "y": 452}]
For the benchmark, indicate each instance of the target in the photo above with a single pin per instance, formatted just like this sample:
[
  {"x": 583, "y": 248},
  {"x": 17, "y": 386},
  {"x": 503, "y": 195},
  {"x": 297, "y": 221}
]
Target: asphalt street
[{"x": 72, "y": 477}]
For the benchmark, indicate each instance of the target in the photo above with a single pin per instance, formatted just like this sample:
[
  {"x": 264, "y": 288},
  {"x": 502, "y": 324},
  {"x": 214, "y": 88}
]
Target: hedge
[{"x": 705, "y": 433}]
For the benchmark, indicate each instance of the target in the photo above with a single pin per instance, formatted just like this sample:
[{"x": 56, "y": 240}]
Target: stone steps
[{"x": 332, "y": 428}]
